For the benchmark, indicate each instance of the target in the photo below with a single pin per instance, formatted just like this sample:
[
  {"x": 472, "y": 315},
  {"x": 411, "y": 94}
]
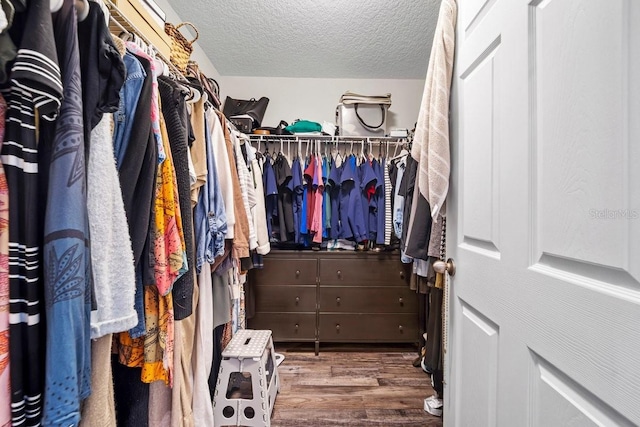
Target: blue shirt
[
  {"x": 298, "y": 193},
  {"x": 334, "y": 194},
  {"x": 380, "y": 200},
  {"x": 367, "y": 184},
  {"x": 351, "y": 213}
]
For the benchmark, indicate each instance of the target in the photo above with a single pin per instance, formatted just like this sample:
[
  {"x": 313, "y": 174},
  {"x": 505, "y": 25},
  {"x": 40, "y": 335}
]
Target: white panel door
[{"x": 544, "y": 215}]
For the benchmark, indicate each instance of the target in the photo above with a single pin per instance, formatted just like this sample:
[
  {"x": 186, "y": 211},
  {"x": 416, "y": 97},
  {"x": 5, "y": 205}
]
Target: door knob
[{"x": 449, "y": 267}]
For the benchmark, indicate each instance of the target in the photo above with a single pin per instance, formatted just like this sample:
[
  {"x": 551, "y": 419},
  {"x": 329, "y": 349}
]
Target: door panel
[
  {"x": 481, "y": 222},
  {"x": 544, "y": 215},
  {"x": 560, "y": 401},
  {"x": 581, "y": 140},
  {"x": 478, "y": 359}
]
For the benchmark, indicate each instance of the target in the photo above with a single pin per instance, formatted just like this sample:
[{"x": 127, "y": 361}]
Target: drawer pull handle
[
  {"x": 400, "y": 328},
  {"x": 402, "y": 275},
  {"x": 338, "y": 300},
  {"x": 297, "y": 273},
  {"x": 297, "y": 326},
  {"x": 339, "y": 273},
  {"x": 297, "y": 300},
  {"x": 338, "y": 327},
  {"x": 401, "y": 301}
]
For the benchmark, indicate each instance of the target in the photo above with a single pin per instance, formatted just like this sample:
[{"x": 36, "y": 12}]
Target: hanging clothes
[
  {"x": 175, "y": 114},
  {"x": 67, "y": 272},
  {"x": 298, "y": 193},
  {"x": 241, "y": 229},
  {"x": 35, "y": 83},
  {"x": 5, "y": 375},
  {"x": 103, "y": 71}
]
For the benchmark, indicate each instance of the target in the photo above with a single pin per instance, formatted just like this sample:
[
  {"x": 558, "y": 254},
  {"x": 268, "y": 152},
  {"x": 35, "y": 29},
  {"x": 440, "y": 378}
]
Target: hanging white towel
[{"x": 431, "y": 142}]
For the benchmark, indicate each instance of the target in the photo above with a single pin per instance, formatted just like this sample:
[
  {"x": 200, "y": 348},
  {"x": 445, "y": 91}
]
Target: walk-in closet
[{"x": 319, "y": 213}]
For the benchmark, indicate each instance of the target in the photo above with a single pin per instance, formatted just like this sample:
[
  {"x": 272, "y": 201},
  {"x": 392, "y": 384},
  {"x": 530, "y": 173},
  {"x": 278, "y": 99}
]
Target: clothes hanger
[
  {"x": 82, "y": 9},
  {"x": 55, "y": 5}
]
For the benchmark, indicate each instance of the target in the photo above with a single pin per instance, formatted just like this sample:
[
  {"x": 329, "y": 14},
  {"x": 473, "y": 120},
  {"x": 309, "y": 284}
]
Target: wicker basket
[{"x": 181, "y": 48}]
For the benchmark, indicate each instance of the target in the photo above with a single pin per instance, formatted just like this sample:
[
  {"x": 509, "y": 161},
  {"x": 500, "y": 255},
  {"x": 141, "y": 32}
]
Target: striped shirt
[{"x": 35, "y": 87}]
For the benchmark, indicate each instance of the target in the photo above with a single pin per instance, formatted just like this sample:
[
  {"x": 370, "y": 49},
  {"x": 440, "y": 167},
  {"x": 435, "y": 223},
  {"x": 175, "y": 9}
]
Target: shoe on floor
[
  {"x": 425, "y": 367},
  {"x": 433, "y": 405}
]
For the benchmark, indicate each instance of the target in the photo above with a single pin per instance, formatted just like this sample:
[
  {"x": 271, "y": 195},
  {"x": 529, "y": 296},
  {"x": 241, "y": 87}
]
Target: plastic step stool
[{"x": 247, "y": 381}]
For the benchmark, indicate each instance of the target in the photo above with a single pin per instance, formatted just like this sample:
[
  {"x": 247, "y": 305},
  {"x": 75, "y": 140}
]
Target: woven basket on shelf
[{"x": 181, "y": 48}]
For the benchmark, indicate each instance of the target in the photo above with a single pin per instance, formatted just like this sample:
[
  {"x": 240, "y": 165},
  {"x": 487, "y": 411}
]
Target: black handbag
[{"x": 252, "y": 108}]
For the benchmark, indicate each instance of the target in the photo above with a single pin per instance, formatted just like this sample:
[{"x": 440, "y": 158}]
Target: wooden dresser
[{"x": 335, "y": 297}]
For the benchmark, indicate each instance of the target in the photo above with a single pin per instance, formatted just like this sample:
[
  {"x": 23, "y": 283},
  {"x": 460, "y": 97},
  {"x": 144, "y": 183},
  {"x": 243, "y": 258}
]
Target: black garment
[
  {"x": 407, "y": 186},
  {"x": 174, "y": 110},
  {"x": 103, "y": 71},
  {"x": 285, "y": 197},
  {"x": 417, "y": 240},
  {"x": 433, "y": 347},
  {"x": 138, "y": 180},
  {"x": 393, "y": 176},
  {"x": 218, "y": 332},
  {"x": 131, "y": 396},
  {"x": 35, "y": 88}
]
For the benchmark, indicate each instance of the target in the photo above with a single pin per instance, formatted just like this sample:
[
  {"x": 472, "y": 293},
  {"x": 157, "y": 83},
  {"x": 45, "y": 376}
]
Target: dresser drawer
[
  {"x": 393, "y": 299},
  {"x": 285, "y": 298},
  {"x": 369, "y": 327},
  {"x": 286, "y": 326},
  {"x": 363, "y": 272},
  {"x": 281, "y": 271}
]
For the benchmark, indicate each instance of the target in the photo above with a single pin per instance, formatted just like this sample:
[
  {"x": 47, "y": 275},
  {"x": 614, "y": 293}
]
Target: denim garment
[
  {"x": 210, "y": 219},
  {"x": 67, "y": 277},
  {"x": 155, "y": 106},
  {"x": 123, "y": 119}
]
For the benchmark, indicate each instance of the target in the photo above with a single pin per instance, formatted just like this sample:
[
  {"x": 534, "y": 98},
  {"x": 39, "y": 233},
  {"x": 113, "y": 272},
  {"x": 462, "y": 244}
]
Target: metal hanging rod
[
  {"x": 118, "y": 21},
  {"x": 328, "y": 138}
]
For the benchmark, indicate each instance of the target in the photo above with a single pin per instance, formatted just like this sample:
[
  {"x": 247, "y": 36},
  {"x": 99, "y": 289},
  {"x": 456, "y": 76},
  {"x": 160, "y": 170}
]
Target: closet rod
[
  {"x": 120, "y": 21},
  {"x": 328, "y": 138}
]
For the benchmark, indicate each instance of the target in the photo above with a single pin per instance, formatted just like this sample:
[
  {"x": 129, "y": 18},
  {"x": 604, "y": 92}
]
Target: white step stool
[{"x": 247, "y": 382}]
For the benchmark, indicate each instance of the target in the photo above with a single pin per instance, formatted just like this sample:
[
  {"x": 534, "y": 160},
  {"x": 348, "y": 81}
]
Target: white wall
[
  {"x": 316, "y": 99},
  {"x": 198, "y": 55}
]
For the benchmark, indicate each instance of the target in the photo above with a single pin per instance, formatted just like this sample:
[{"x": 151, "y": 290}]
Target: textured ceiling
[{"x": 315, "y": 38}]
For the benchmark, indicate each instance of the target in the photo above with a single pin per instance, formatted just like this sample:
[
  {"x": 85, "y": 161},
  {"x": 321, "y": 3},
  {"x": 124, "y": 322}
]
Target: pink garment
[
  {"x": 155, "y": 108},
  {"x": 318, "y": 184},
  {"x": 5, "y": 384},
  {"x": 309, "y": 176}
]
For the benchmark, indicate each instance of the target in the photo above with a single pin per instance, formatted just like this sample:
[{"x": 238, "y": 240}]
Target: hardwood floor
[{"x": 351, "y": 387}]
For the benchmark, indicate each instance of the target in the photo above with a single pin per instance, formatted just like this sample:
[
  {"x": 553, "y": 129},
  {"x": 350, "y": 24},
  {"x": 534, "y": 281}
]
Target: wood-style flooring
[{"x": 351, "y": 387}]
